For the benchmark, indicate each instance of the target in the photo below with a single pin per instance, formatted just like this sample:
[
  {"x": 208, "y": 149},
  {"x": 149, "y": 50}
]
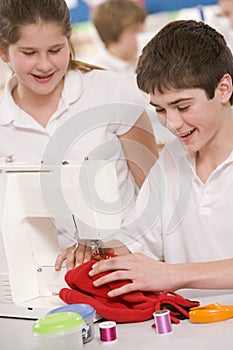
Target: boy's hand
[{"x": 77, "y": 254}]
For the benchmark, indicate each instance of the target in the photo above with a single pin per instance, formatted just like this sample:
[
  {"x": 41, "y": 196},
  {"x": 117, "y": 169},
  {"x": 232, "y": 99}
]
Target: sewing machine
[{"x": 35, "y": 201}]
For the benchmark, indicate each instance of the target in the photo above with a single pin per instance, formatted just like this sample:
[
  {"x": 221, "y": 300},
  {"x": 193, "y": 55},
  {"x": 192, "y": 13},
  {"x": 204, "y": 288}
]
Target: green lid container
[{"x": 57, "y": 323}]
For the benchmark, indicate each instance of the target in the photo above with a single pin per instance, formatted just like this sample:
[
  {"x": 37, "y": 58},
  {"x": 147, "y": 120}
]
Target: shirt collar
[
  {"x": 72, "y": 90},
  {"x": 8, "y": 108},
  {"x": 116, "y": 62},
  {"x": 73, "y": 86}
]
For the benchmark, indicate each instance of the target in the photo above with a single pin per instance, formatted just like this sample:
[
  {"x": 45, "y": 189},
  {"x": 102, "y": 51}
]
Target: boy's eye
[
  {"x": 182, "y": 109},
  {"x": 159, "y": 110}
]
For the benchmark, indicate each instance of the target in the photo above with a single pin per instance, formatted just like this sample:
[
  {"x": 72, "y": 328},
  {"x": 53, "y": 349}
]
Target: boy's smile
[{"x": 191, "y": 115}]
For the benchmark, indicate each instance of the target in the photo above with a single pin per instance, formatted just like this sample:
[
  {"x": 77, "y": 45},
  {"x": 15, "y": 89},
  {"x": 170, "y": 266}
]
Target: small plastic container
[
  {"x": 60, "y": 331},
  {"x": 88, "y": 314}
]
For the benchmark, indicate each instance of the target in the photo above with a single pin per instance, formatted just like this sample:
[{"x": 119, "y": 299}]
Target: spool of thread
[
  {"x": 107, "y": 331},
  {"x": 162, "y": 321}
]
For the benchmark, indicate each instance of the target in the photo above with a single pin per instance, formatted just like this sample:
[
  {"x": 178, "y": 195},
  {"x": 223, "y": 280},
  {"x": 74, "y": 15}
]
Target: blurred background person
[
  {"x": 226, "y": 7},
  {"x": 118, "y": 24}
]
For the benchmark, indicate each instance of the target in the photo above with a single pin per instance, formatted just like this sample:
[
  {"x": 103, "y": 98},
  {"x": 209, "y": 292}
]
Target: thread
[
  {"x": 162, "y": 321},
  {"x": 107, "y": 331}
]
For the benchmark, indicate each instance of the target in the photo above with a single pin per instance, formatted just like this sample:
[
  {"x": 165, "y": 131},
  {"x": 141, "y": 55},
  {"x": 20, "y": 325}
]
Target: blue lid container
[{"x": 86, "y": 311}]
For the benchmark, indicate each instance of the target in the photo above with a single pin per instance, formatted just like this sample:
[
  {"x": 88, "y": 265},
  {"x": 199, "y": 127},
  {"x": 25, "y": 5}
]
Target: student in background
[
  {"x": 182, "y": 237},
  {"x": 226, "y": 7},
  {"x": 49, "y": 88},
  {"x": 118, "y": 23}
]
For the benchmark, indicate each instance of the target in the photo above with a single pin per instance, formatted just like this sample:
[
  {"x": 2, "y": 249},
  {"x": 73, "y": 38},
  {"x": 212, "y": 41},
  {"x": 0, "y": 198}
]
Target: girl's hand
[{"x": 77, "y": 254}]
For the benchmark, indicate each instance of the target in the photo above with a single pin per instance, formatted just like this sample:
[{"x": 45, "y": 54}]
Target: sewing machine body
[{"x": 29, "y": 284}]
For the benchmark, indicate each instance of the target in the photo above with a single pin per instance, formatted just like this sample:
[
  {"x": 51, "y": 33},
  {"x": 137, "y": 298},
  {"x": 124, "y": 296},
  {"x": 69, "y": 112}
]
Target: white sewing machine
[{"x": 32, "y": 199}]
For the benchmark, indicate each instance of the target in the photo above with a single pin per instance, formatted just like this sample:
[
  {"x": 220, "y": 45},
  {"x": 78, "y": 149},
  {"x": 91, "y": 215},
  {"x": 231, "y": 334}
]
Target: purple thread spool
[
  {"x": 162, "y": 321},
  {"x": 107, "y": 331}
]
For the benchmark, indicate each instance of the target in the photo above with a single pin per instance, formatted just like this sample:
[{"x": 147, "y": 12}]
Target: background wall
[
  {"x": 80, "y": 10},
  {"x": 154, "y": 6},
  {"x": 79, "y": 13}
]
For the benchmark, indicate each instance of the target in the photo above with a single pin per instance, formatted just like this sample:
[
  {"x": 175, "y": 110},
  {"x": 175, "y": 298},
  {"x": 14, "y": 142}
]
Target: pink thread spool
[
  {"x": 107, "y": 331},
  {"x": 162, "y": 321}
]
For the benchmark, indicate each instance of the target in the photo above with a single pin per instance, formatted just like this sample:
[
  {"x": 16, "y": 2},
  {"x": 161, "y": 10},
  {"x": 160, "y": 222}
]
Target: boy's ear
[
  {"x": 225, "y": 88},
  {"x": 3, "y": 54}
]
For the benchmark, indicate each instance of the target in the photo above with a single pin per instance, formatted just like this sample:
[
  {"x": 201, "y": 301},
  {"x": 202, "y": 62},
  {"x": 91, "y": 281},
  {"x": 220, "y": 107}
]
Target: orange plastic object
[{"x": 210, "y": 313}]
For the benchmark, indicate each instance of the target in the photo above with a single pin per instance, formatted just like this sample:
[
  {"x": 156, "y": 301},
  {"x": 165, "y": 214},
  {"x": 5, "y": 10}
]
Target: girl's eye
[
  {"x": 54, "y": 51},
  {"x": 28, "y": 53}
]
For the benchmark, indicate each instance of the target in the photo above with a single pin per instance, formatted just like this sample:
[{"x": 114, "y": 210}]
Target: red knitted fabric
[{"x": 131, "y": 307}]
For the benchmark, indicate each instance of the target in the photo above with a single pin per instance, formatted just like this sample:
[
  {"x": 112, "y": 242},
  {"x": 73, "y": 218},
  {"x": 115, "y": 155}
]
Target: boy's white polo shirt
[{"x": 180, "y": 219}]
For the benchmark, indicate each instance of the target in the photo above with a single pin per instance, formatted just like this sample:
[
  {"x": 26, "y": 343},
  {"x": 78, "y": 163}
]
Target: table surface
[{"x": 17, "y": 333}]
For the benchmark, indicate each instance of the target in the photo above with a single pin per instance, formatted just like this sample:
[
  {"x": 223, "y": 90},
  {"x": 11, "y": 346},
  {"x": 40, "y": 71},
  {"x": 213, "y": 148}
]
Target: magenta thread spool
[
  {"x": 107, "y": 331},
  {"x": 162, "y": 321}
]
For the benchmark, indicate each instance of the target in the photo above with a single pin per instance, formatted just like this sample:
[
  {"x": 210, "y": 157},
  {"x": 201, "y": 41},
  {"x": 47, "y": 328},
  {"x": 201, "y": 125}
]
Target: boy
[
  {"x": 184, "y": 209},
  {"x": 118, "y": 22}
]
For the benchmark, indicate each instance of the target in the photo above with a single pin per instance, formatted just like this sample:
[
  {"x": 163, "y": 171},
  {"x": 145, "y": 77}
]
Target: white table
[{"x": 17, "y": 334}]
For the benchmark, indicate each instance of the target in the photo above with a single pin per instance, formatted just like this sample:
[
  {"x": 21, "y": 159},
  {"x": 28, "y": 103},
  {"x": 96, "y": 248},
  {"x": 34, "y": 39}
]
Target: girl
[{"x": 49, "y": 87}]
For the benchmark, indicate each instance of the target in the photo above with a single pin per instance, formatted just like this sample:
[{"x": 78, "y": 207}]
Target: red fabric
[{"x": 131, "y": 307}]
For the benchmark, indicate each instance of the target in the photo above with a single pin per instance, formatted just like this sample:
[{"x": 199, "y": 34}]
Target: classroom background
[
  {"x": 80, "y": 9},
  {"x": 87, "y": 43}
]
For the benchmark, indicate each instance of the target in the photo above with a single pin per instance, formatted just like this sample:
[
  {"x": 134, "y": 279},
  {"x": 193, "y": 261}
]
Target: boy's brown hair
[
  {"x": 184, "y": 54},
  {"x": 112, "y": 17}
]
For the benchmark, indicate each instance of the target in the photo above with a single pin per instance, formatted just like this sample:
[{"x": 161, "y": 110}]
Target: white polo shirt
[
  {"x": 180, "y": 219},
  {"x": 115, "y": 64},
  {"x": 24, "y": 137},
  {"x": 94, "y": 108}
]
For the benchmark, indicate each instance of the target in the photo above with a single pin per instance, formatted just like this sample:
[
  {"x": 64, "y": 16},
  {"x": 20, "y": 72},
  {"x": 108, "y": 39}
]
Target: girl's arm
[{"x": 140, "y": 148}]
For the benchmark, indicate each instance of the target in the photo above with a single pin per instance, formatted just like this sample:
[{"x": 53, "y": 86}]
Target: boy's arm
[{"x": 148, "y": 274}]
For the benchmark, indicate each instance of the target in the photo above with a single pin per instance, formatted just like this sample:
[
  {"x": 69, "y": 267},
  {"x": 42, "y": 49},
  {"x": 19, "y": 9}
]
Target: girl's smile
[{"x": 39, "y": 58}]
